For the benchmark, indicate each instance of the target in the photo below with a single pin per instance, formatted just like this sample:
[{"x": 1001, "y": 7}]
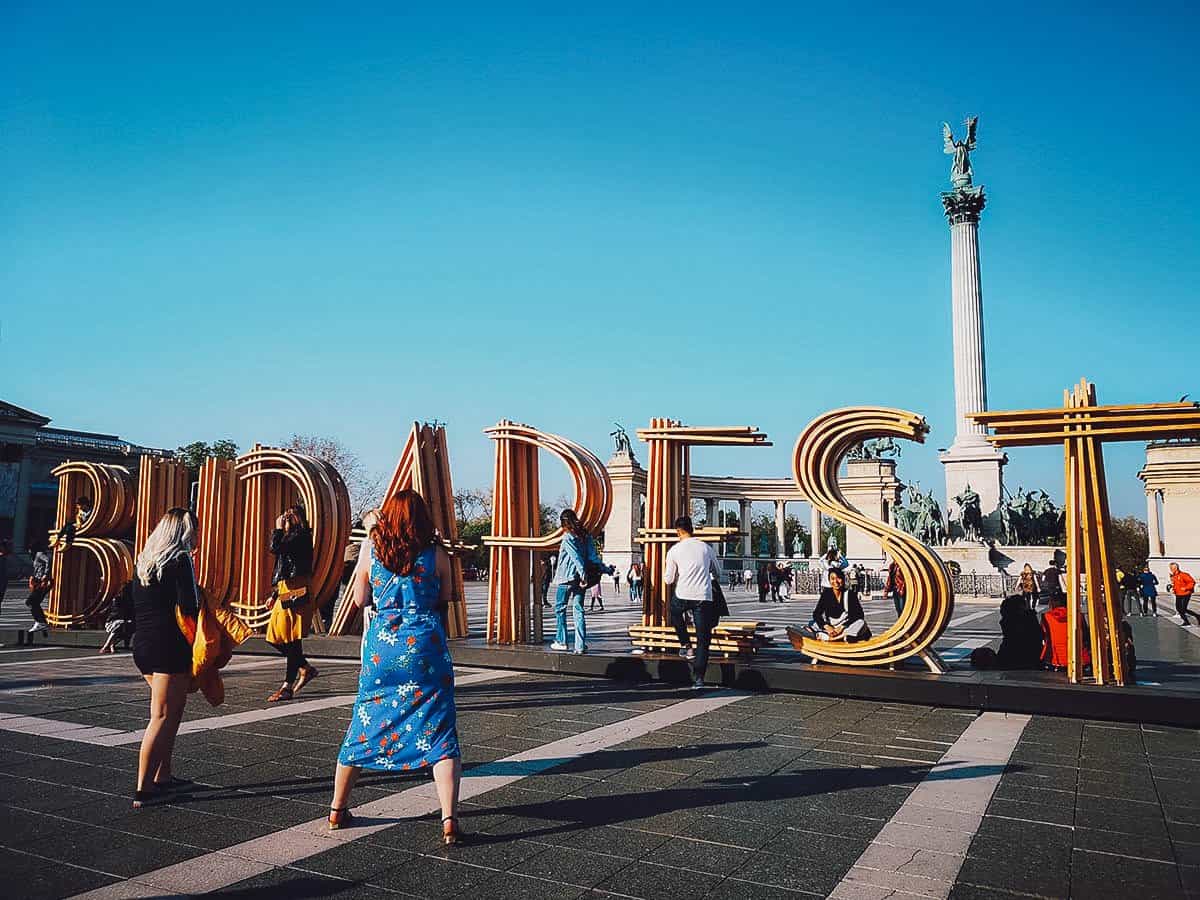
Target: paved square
[{"x": 586, "y": 787}]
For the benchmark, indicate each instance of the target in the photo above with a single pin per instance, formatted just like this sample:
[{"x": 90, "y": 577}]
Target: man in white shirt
[{"x": 691, "y": 566}]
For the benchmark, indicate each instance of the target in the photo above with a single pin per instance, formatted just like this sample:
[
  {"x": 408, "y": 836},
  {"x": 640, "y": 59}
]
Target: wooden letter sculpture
[
  {"x": 1082, "y": 427},
  {"x": 668, "y": 496},
  {"x": 95, "y": 566},
  {"x": 162, "y": 484},
  {"x": 516, "y": 522},
  {"x": 424, "y": 467},
  {"x": 817, "y": 457}
]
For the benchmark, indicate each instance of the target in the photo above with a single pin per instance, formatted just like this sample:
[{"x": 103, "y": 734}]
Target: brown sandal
[
  {"x": 340, "y": 818},
  {"x": 450, "y": 833},
  {"x": 307, "y": 674},
  {"x": 284, "y": 693}
]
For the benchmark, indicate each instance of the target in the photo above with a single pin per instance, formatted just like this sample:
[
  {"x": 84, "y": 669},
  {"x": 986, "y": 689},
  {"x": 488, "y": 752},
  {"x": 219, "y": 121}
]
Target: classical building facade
[
  {"x": 29, "y": 451},
  {"x": 870, "y": 485},
  {"x": 1172, "y": 479}
]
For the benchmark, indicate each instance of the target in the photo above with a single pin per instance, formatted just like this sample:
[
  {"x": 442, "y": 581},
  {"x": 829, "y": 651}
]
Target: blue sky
[{"x": 245, "y": 221}]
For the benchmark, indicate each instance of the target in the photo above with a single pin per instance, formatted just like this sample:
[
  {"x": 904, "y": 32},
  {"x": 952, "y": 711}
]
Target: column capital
[{"x": 964, "y": 204}]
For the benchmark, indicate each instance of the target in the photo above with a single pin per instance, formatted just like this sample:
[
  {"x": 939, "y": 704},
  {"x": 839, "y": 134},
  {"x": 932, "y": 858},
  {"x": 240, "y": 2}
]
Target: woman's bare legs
[
  {"x": 168, "y": 696},
  {"x": 344, "y": 778},
  {"x": 447, "y": 776}
]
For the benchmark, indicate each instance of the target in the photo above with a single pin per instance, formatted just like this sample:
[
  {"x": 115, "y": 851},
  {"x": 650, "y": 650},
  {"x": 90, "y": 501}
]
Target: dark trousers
[
  {"x": 1181, "y": 606},
  {"x": 34, "y": 603},
  {"x": 762, "y": 593},
  {"x": 705, "y": 618},
  {"x": 293, "y": 651},
  {"x": 898, "y": 601},
  {"x": 1148, "y": 602}
]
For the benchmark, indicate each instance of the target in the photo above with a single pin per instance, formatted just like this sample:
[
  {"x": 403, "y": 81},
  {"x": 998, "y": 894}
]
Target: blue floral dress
[{"x": 404, "y": 716}]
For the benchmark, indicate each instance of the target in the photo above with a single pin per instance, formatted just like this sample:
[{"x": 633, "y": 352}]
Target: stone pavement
[{"x": 586, "y": 787}]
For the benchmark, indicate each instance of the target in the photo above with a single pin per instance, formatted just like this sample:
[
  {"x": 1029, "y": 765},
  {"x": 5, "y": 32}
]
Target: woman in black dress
[{"x": 163, "y": 581}]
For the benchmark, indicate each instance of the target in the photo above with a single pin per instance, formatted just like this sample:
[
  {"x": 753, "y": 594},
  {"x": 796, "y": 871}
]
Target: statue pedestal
[
  {"x": 629, "y": 486},
  {"x": 980, "y": 466},
  {"x": 871, "y": 487}
]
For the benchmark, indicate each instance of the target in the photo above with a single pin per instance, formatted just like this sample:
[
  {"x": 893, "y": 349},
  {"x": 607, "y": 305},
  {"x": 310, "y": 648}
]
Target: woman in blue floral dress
[{"x": 404, "y": 717}]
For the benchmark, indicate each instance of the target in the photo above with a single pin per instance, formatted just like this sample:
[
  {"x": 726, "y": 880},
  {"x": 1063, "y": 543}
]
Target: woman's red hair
[{"x": 402, "y": 531}]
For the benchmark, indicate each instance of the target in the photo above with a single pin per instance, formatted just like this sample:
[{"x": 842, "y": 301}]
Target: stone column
[
  {"x": 1152, "y": 523},
  {"x": 745, "y": 511},
  {"x": 20, "y": 537},
  {"x": 814, "y": 529},
  {"x": 970, "y": 460},
  {"x": 710, "y": 512},
  {"x": 780, "y": 527}
]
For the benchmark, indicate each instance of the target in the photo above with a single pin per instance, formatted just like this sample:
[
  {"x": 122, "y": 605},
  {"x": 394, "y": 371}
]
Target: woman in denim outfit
[{"x": 577, "y": 550}]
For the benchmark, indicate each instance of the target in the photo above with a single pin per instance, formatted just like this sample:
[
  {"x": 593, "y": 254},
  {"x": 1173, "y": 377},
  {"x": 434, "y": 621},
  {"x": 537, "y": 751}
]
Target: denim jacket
[{"x": 572, "y": 555}]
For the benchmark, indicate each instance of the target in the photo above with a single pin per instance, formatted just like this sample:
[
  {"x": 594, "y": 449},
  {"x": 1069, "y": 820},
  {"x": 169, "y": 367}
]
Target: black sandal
[
  {"x": 340, "y": 818},
  {"x": 144, "y": 798}
]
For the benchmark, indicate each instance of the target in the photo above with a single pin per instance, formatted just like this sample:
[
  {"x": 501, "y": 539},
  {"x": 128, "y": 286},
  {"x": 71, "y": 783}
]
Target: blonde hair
[{"x": 174, "y": 535}]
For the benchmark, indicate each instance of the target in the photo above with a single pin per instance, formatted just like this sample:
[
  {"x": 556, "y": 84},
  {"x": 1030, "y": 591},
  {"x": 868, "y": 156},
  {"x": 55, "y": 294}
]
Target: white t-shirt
[{"x": 690, "y": 566}]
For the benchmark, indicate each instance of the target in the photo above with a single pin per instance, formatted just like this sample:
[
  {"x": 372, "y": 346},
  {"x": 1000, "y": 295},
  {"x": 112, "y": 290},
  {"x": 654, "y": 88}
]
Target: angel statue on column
[{"x": 960, "y": 169}]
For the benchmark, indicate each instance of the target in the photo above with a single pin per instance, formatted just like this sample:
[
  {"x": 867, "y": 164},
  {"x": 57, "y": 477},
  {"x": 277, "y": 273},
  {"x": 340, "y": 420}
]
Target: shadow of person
[{"x": 731, "y": 797}]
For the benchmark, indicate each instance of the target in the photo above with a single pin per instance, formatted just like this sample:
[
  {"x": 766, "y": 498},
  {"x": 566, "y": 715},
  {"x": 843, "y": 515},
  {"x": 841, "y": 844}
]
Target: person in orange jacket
[
  {"x": 1055, "y": 636},
  {"x": 1182, "y": 586}
]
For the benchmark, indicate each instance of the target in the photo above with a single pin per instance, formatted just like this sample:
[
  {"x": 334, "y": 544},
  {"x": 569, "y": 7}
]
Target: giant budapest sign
[{"x": 237, "y": 502}]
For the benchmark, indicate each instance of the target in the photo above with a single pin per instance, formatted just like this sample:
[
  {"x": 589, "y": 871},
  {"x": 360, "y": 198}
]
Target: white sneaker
[
  {"x": 38, "y": 626},
  {"x": 557, "y": 646}
]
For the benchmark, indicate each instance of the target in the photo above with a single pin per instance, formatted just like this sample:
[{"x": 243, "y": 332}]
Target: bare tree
[
  {"x": 472, "y": 503},
  {"x": 366, "y": 488}
]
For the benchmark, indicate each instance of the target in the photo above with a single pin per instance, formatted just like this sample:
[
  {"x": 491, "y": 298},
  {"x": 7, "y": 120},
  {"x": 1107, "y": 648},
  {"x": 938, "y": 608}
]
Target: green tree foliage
[
  {"x": 194, "y": 454},
  {"x": 1130, "y": 543}
]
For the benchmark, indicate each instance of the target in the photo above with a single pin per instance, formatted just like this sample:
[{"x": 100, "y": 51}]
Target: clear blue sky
[{"x": 244, "y": 220}]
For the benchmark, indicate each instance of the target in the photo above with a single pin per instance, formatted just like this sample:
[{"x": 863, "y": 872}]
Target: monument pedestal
[
  {"x": 979, "y": 465},
  {"x": 871, "y": 487},
  {"x": 629, "y": 486}
]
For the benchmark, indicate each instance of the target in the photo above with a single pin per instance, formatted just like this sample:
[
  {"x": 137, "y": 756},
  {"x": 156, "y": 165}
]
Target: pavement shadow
[{"x": 569, "y": 814}]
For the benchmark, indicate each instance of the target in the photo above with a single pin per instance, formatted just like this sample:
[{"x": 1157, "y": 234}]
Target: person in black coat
[{"x": 838, "y": 615}]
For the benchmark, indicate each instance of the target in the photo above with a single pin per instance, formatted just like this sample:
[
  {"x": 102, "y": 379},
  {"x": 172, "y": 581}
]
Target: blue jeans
[{"x": 569, "y": 592}]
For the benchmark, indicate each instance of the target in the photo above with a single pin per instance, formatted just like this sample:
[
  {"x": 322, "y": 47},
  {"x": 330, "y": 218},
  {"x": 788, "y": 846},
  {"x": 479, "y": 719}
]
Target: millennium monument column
[{"x": 970, "y": 462}]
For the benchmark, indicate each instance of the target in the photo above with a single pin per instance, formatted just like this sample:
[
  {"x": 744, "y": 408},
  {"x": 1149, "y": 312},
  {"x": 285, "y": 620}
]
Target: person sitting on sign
[
  {"x": 1054, "y": 635},
  {"x": 838, "y": 615}
]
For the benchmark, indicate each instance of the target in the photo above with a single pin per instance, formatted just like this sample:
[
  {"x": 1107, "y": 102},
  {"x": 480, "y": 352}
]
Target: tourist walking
[
  {"x": 838, "y": 615},
  {"x": 634, "y": 578},
  {"x": 832, "y": 559},
  {"x": 691, "y": 566},
  {"x": 579, "y": 567},
  {"x": 5, "y": 555},
  {"x": 764, "y": 581},
  {"x": 597, "y": 597},
  {"x": 1027, "y": 583},
  {"x": 616, "y": 577},
  {"x": 39, "y": 586},
  {"x": 1051, "y": 581},
  {"x": 1129, "y": 587},
  {"x": 547, "y": 578},
  {"x": 747, "y": 578},
  {"x": 895, "y": 587},
  {"x": 1148, "y": 583},
  {"x": 404, "y": 716},
  {"x": 775, "y": 578},
  {"x": 163, "y": 583},
  {"x": 1182, "y": 586},
  {"x": 291, "y": 616}
]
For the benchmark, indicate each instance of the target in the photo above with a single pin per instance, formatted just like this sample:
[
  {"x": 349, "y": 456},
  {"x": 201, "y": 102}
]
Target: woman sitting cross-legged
[
  {"x": 404, "y": 717},
  {"x": 839, "y": 613}
]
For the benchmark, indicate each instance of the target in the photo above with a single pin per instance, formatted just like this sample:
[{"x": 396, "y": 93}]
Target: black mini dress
[{"x": 158, "y": 644}]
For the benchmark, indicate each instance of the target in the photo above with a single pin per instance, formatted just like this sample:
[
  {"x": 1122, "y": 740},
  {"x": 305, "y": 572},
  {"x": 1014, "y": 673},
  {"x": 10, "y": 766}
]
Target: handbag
[{"x": 720, "y": 606}]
